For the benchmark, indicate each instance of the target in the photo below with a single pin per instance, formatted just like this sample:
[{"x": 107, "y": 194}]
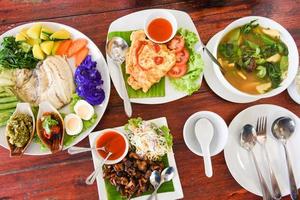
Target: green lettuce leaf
[
  {"x": 189, "y": 83},
  {"x": 167, "y": 135}
]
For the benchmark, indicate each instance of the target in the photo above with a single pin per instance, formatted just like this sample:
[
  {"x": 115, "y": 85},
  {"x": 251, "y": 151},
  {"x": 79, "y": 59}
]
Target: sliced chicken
[{"x": 51, "y": 81}]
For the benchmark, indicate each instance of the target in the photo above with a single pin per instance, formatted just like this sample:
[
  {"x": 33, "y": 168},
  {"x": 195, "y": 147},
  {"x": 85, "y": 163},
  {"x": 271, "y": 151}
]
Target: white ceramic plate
[
  {"x": 135, "y": 21},
  {"x": 177, "y": 194},
  {"x": 239, "y": 162},
  {"x": 215, "y": 84},
  {"x": 292, "y": 90},
  {"x": 34, "y": 149}
]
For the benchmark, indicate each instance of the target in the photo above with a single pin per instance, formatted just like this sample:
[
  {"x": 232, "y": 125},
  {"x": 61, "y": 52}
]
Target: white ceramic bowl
[
  {"x": 111, "y": 162},
  {"x": 220, "y": 133},
  {"x": 161, "y": 14},
  {"x": 284, "y": 36}
]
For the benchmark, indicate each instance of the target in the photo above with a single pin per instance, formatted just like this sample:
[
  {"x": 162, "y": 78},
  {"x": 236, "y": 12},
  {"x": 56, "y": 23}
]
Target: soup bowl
[
  {"x": 286, "y": 38},
  {"x": 112, "y": 142}
]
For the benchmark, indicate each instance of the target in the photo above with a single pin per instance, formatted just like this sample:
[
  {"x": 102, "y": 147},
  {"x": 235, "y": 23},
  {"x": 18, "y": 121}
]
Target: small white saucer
[
  {"x": 220, "y": 133},
  {"x": 215, "y": 84},
  {"x": 292, "y": 90}
]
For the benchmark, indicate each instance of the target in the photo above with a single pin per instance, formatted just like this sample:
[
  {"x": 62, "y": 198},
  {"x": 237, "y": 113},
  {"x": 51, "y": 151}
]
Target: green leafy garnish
[
  {"x": 274, "y": 72},
  {"x": 15, "y": 55},
  {"x": 48, "y": 122},
  {"x": 167, "y": 135},
  {"x": 247, "y": 28}
]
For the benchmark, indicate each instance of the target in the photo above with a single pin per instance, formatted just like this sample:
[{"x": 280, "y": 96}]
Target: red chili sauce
[
  {"x": 113, "y": 142},
  {"x": 160, "y": 29}
]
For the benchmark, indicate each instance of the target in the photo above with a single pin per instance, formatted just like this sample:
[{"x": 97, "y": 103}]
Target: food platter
[
  {"x": 237, "y": 159},
  {"x": 96, "y": 55},
  {"x": 175, "y": 194},
  {"x": 135, "y": 21}
]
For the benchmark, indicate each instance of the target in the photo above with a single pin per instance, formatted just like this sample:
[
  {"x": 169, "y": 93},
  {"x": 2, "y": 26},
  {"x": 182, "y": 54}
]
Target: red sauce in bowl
[
  {"x": 160, "y": 29},
  {"x": 113, "y": 142}
]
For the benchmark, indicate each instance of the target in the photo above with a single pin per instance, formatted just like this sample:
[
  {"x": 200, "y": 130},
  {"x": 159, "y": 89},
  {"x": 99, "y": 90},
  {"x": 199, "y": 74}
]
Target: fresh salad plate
[
  {"x": 239, "y": 161},
  {"x": 214, "y": 83},
  {"x": 64, "y": 77},
  {"x": 164, "y": 84},
  {"x": 129, "y": 167}
]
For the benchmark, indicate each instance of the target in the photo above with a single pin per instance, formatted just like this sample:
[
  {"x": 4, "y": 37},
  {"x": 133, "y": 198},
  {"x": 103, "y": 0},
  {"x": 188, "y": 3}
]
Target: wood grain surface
[{"x": 62, "y": 176}]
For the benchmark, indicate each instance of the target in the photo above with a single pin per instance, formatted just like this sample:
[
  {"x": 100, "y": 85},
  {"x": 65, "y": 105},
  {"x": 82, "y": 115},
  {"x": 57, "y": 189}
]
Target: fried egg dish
[{"x": 147, "y": 62}]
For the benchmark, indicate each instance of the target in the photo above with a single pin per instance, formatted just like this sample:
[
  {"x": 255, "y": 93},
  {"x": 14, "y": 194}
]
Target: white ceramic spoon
[{"x": 204, "y": 131}]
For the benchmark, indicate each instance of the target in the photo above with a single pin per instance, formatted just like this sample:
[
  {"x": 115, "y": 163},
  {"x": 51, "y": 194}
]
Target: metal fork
[{"x": 261, "y": 129}]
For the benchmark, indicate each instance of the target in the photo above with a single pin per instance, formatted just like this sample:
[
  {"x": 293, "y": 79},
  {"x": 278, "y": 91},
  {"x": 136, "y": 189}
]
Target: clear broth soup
[{"x": 254, "y": 60}]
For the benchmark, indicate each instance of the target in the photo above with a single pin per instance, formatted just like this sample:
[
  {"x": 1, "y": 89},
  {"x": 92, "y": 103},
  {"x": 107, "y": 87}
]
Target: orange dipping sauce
[
  {"x": 160, "y": 29},
  {"x": 113, "y": 142}
]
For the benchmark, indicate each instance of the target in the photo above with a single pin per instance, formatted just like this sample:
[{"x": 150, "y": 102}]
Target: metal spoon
[
  {"x": 155, "y": 179},
  {"x": 166, "y": 175},
  {"x": 116, "y": 49},
  {"x": 248, "y": 141},
  {"x": 92, "y": 177},
  {"x": 200, "y": 46},
  {"x": 282, "y": 129},
  {"x": 75, "y": 150}
]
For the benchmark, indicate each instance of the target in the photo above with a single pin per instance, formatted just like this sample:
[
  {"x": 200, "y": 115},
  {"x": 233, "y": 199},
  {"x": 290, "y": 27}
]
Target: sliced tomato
[
  {"x": 55, "y": 129},
  {"x": 177, "y": 43},
  {"x": 182, "y": 57},
  {"x": 177, "y": 71},
  {"x": 158, "y": 60},
  {"x": 48, "y": 136}
]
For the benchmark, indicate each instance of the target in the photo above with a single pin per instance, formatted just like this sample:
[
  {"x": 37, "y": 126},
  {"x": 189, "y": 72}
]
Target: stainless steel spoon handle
[
  {"x": 155, "y": 192},
  {"x": 265, "y": 190},
  {"x": 92, "y": 177},
  {"x": 75, "y": 150},
  {"x": 126, "y": 100},
  {"x": 200, "y": 46},
  {"x": 293, "y": 186},
  {"x": 274, "y": 182}
]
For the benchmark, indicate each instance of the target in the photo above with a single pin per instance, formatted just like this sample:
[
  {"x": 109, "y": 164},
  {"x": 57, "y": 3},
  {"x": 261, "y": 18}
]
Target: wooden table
[{"x": 62, "y": 176}]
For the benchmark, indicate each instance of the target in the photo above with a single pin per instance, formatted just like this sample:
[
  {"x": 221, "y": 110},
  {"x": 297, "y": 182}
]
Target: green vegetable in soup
[
  {"x": 284, "y": 63},
  {"x": 274, "y": 73},
  {"x": 247, "y": 28},
  {"x": 253, "y": 58},
  {"x": 261, "y": 71}
]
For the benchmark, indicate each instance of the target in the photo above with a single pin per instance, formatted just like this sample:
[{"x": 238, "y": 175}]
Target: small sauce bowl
[
  {"x": 113, "y": 141},
  {"x": 162, "y": 24}
]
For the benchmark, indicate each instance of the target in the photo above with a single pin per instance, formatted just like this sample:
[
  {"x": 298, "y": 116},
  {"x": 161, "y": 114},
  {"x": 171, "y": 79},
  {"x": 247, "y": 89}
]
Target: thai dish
[
  {"x": 149, "y": 146},
  {"x": 254, "y": 59},
  {"x": 149, "y": 61},
  {"x": 19, "y": 132},
  {"x": 40, "y": 64}
]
